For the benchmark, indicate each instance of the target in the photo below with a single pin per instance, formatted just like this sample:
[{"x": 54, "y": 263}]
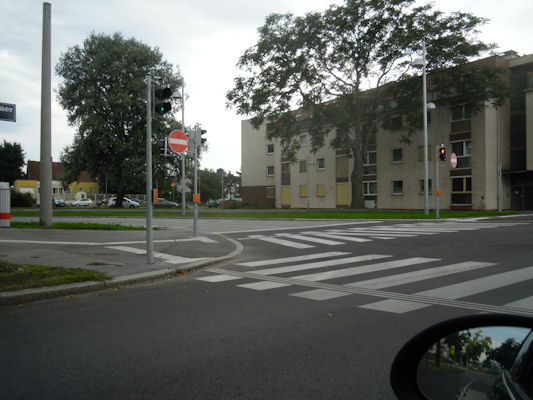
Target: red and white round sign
[
  {"x": 453, "y": 160},
  {"x": 178, "y": 142}
]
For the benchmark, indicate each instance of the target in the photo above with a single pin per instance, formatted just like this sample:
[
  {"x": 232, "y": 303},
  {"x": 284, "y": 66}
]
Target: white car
[
  {"x": 125, "y": 202},
  {"x": 83, "y": 202}
]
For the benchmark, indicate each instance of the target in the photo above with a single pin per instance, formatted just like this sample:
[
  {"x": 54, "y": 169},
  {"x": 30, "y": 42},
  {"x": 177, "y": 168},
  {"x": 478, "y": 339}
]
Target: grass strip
[
  {"x": 24, "y": 276},
  {"x": 76, "y": 225}
]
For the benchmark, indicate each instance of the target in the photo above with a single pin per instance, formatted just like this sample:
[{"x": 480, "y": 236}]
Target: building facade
[{"x": 394, "y": 171}]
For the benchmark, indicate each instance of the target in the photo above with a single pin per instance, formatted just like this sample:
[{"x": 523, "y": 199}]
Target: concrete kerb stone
[{"x": 29, "y": 295}]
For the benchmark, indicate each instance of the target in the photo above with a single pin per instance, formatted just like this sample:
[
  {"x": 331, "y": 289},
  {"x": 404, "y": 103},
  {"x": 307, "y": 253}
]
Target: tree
[
  {"x": 505, "y": 354},
  {"x": 209, "y": 184},
  {"x": 11, "y": 162},
  {"x": 343, "y": 68},
  {"x": 103, "y": 89}
]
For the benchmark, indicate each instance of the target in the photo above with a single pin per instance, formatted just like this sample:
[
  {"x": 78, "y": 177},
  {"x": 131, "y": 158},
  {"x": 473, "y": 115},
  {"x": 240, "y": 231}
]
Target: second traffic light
[
  {"x": 442, "y": 153},
  {"x": 161, "y": 103},
  {"x": 199, "y": 139}
]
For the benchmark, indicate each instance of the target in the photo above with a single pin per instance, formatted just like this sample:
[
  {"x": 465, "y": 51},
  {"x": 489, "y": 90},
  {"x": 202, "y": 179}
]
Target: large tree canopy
[
  {"x": 341, "y": 66},
  {"x": 103, "y": 89},
  {"x": 11, "y": 162}
]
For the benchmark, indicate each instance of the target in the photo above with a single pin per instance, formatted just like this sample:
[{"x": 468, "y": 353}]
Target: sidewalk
[{"x": 119, "y": 254}]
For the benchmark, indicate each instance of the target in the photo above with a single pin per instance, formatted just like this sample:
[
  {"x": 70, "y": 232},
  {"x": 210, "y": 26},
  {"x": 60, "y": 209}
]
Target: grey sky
[{"x": 203, "y": 37}]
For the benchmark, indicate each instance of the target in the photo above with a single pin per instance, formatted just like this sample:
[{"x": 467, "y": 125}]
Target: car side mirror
[{"x": 473, "y": 357}]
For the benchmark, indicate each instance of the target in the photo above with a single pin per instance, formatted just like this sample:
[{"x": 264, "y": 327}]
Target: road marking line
[
  {"x": 338, "y": 237},
  {"x": 523, "y": 303},
  {"x": 263, "y": 285},
  {"x": 310, "y": 239},
  {"x": 320, "y": 294},
  {"x": 456, "y": 291},
  {"x": 380, "y": 293},
  {"x": 301, "y": 227},
  {"x": 282, "y": 242},
  {"x": 218, "y": 278},
  {"x": 420, "y": 275},
  {"x": 319, "y": 264},
  {"x": 292, "y": 259},
  {"x": 202, "y": 239},
  {"x": 341, "y": 273},
  {"x": 167, "y": 257}
]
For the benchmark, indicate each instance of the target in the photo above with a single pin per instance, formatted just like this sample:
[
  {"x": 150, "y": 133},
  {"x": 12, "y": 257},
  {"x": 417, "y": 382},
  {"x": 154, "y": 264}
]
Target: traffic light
[
  {"x": 162, "y": 147},
  {"x": 199, "y": 139},
  {"x": 442, "y": 153},
  {"x": 161, "y": 106}
]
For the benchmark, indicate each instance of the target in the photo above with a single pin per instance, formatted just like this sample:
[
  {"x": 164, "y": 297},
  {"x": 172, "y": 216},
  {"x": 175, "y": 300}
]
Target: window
[
  {"x": 285, "y": 173},
  {"x": 421, "y": 186},
  {"x": 303, "y": 166},
  {"x": 461, "y": 112},
  {"x": 270, "y": 170},
  {"x": 303, "y": 140},
  {"x": 270, "y": 148},
  {"x": 397, "y": 155},
  {"x": 303, "y": 190},
  {"x": 321, "y": 163},
  {"x": 321, "y": 190},
  {"x": 462, "y": 190},
  {"x": 463, "y": 151},
  {"x": 341, "y": 168},
  {"x": 397, "y": 187},
  {"x": 421, "y": 153},
  {"x": 270, "y": 192},
  {"x": 396, "y": 122},
  {"x": 369, "y": 163},
  {"x": 370, "y": 188}
]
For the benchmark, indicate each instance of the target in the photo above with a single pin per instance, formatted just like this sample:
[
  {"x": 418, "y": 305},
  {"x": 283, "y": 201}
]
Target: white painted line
[
  {"x": 523, "y": 303},
  {"x": 218, "y": 278},
  {"x": 340, "y": 273},
  {"x": 319, "y": 264},
  {"x": 282, "y": 242},
  {"x": 320, "y": 294},
  {"x": 263, "y": 285},
  {"x": 167, "y": 257},
  {"x": 331, "y": 236},
  {"x": 310, "y": 239},
  {"x": 293, "y": 259},
  {"x": 368, "y": 232},
  {"x": 197, "y": 239},
  {"x": 133, "y": 250},
  {"x": 420, "y": 275},
  {"x": 456, "y": 291},
  {"x": 301, "y": 227}
]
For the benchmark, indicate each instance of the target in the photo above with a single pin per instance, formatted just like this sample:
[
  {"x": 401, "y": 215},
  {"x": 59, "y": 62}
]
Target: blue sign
[{"x": 8, "y": 112}]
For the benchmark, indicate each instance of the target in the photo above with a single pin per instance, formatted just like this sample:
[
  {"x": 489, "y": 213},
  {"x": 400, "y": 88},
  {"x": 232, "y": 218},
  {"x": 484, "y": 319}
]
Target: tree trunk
[{"x": 358, "y": 201}]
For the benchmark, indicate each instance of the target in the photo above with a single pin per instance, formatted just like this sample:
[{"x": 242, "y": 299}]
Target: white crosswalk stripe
[
  {"x": 367, "y": 233},
  {"x": 325, "y": 285}
]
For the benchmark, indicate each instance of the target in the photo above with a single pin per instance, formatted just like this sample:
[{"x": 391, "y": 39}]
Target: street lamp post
[{"x": 422, "y": 63}]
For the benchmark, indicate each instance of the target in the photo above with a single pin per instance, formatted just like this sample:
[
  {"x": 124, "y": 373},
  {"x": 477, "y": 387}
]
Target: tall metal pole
[
  {"x": 195, "y": 223},
  {"x": 149, "y": 242},
  {"x": 437, "y": 197},
  {"x": 45, "y": 169},
  {"x": 498, "y": 161},
  {"x": 426, "y": 196},
  {"x": 183, "y": 155}
]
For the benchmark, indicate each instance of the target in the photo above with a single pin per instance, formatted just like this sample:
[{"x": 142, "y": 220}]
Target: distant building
[
  {"x": 394, "y": 171},
  {"x": 81, "y": 188}
]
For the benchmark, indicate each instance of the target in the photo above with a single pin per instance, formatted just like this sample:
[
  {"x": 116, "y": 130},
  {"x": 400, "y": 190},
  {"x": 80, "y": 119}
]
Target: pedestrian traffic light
[
  {"x": 162, "y": 143},
  {"x": 442, "y": 153},
  {"x": 161, "y": 106}
]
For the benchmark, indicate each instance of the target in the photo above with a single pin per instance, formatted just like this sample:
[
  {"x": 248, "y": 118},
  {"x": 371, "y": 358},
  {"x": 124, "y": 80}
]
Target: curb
[{"x": 30, "y": 295}]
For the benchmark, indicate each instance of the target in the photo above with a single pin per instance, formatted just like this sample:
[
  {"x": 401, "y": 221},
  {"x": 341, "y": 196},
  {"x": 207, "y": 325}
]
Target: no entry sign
[
  {"x": 453, "y": 160},
  {"x": 178, "y": 142}
]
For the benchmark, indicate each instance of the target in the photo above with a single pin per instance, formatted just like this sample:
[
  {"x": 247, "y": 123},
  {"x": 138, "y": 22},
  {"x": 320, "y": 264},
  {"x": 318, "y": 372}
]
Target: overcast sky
[{"x": 203, "y": 37}]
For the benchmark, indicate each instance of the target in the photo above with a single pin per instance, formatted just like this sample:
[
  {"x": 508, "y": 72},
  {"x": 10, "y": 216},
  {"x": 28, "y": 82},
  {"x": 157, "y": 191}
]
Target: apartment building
[{"x": 394, "y": 171}]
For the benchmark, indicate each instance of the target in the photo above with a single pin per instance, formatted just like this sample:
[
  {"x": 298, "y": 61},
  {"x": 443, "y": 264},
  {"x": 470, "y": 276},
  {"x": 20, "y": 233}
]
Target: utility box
[{"x": 5, "y": 205}]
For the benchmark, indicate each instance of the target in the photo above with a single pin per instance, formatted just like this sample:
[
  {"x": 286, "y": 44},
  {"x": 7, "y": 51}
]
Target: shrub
[{"x": 19, "y": 199}]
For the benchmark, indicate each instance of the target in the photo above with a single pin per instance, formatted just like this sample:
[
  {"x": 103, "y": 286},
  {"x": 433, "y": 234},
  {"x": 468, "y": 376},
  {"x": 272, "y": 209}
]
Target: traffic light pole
[
  {"x": 437, "y": 193},
  {"x": 195, "y": 223},
  {"x": 183, "y": 155},
  {"x": 149, "y": 241}
]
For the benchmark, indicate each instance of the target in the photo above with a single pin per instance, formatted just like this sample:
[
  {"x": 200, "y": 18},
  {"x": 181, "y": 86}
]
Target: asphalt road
[{"x": 304, "y": 312}]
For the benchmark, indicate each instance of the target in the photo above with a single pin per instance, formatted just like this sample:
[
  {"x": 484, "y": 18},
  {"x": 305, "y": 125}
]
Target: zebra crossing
[
  {"x": 320, "y": 275},
  {"x": 336, "y": 237}
]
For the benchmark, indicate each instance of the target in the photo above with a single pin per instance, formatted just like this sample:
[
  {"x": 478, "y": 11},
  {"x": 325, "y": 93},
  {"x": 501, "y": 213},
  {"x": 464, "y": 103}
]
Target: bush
[{"x": 22, "y": 199}]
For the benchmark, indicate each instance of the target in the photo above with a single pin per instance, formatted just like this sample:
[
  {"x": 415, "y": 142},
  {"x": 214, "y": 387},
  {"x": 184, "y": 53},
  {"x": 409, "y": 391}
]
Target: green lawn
[
  {"x": 23, "y": 276},
  {"x": 76, "y": 225}
]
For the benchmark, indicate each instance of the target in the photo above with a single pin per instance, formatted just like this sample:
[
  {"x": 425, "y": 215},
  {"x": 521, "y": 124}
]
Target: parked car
[
  {"x": 83, "y": 202},
  {"x": 58, "y": 203},
  {"x": 161, "y": 202},
  {"x": 212, "y": 204},
  {"x": 126, "y": 202}
]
